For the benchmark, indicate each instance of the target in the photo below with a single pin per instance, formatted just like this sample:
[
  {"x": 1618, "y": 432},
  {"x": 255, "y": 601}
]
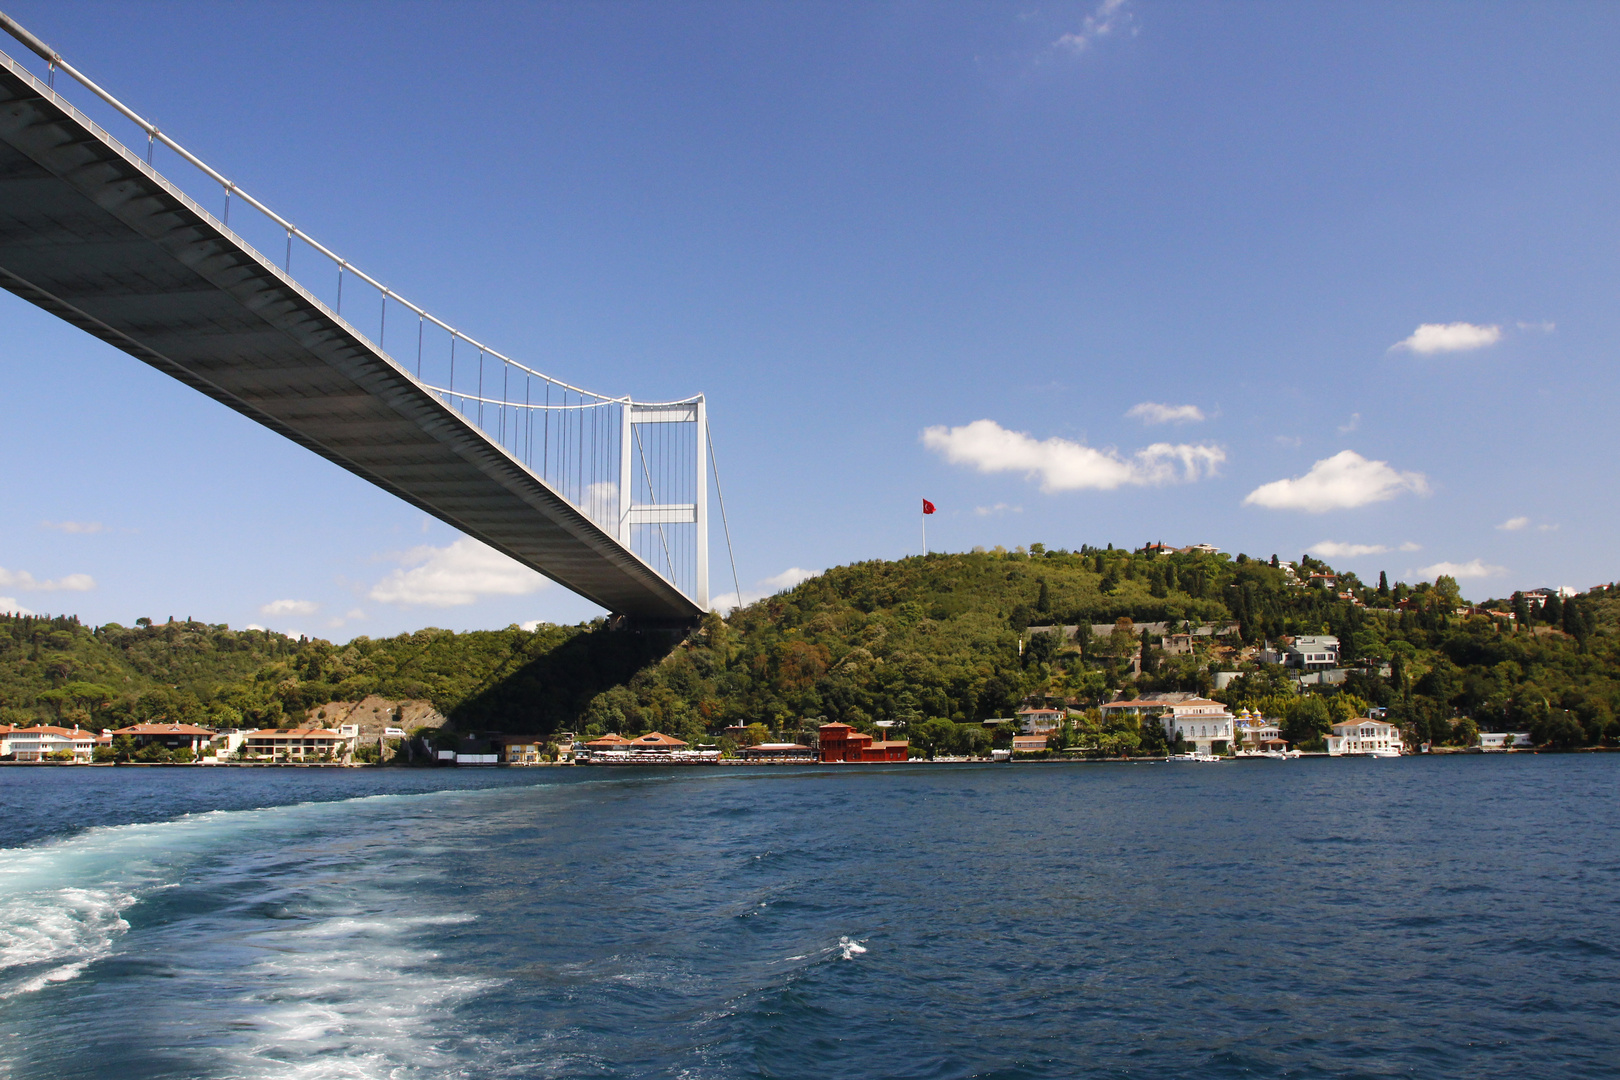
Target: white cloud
[
  {"x": 1544, "y": 327},
  {"x": 1065, "y": 465},
  {"x": 1471, "y": 569},
  {"x": 531, "y": 626},
  {"x": 997, "y": 510},
  {"x": 290, "y": 607},
  {"x": 1151, "y": 412},
  {"x": 1514, "y": 524},
  {"x": 1340, "y": 482},
  {"x": 458, "y": 574},
  {"x": 9, "y": 605},
  {"x": 294, "y": 634},
  {"x": 23, "y": 580},
  {"x": 1332, "y": 549},
  {"x": 73, "y": 526},
  {"x": 1110, "y": 15},
  {"x": 1449, "y": 337},
  {"x": 1351, "y": 424},
  {"x": 1289, "y": 440},
  {"x": 1546, "y": 528},
  {"x": 787, "y": 579}
]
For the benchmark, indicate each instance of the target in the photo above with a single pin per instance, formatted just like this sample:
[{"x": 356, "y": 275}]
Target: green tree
[{"x": 1306, "y": 721}]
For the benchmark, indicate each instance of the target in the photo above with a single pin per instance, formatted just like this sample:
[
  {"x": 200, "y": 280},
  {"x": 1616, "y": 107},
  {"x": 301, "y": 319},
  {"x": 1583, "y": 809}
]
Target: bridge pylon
[{"x": 690, "y": 476}]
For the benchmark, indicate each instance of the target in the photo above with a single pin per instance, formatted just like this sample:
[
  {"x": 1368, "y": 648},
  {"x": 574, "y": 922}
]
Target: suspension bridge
[{"x": 603, "y": 494}]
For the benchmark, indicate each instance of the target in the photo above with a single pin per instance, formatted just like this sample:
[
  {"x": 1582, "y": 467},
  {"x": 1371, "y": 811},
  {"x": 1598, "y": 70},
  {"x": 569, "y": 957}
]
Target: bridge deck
[{"x": 93, "y": 235}]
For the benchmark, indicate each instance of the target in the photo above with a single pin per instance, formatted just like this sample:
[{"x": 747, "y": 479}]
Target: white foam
[
  {"x": 348, "y": 998},
  {"x": 43, "y": 928},
  {"x": 62, "y": 902},
  {"x": 849, "y": 948}
]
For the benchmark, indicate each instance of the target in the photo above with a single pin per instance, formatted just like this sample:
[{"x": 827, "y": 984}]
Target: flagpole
[{"x": 924, "y": 518}]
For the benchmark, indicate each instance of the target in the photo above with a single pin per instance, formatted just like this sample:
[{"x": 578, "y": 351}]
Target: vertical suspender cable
[
  {"x": 652, "y": 497},
  {"x": 421, "y": 324},
  {"x": 723, "y": 522}
]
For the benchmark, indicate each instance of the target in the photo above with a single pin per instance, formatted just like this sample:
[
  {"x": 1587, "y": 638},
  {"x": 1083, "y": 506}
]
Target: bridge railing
[{"x": 641, "y": 478}]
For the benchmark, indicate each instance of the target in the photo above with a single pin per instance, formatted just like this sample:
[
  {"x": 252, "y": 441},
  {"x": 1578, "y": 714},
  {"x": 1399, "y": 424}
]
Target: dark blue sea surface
[{"x": 1455, "y": 917}]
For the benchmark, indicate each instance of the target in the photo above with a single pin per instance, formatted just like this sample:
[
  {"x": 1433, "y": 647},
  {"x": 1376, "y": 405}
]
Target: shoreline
[{"x": 741, "y": 763}]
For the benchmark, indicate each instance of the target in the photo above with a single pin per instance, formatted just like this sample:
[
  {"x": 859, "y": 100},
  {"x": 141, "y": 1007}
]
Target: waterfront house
[
  {"x": 301, "y": 744},
  {"x": 842, "y": 743},
  {"x": 1505, "y": 740},
  {"x": 1364, "y": 735},
  {"x": 169, "y": 736},
  {"x": 1199, "y": 722},
  {"x": 1040, "y": 721},
  {"x": 1024, "y": 744},
  {"x": 519, "y": 749},
  {"x": 39, "y": 742},
  {"x": 1255, "y": 732}
]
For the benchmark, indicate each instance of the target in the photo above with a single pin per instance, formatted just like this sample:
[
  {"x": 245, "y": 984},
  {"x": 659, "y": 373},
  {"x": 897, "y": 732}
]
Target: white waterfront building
[
  {"x": 1199, "y": 722},
  {"x": 1366, "y": 736}
]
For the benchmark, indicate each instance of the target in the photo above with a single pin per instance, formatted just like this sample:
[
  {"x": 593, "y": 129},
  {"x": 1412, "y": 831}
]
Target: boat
[{"x": 1193, "y": 757}]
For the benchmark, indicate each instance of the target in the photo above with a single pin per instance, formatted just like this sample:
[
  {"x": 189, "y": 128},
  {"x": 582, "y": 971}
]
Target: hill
[{"x": 934, "y": 643}]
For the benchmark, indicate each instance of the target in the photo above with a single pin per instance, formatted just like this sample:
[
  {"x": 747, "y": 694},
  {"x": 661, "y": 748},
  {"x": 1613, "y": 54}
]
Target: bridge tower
[{"x": 690, "y": 478}]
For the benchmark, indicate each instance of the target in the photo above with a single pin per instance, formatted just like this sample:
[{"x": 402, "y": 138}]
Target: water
[{"x": 1420, "y": 917}]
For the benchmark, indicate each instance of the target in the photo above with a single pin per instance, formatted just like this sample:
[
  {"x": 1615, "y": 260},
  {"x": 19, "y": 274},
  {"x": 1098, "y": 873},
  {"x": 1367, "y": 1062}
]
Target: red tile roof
[
  {"x": 658, "y": 739},
  {"x": 164, "y": 729},
  {"x": 47, "y": 729}
]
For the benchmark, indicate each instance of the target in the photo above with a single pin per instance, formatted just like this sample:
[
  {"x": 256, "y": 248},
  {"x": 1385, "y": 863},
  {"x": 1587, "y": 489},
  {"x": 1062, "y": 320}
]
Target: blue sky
[{"x": 1269, "y": 276}]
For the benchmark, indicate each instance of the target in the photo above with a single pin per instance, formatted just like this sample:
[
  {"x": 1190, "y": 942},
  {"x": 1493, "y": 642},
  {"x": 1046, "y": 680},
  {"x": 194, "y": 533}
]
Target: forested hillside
[{"x": 934, "y": 643}]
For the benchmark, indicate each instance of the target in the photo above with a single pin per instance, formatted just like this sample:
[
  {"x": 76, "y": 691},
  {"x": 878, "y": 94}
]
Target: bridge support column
[
  {"x": 627, "y": 425},
  {"x": 702, "y": 572}
]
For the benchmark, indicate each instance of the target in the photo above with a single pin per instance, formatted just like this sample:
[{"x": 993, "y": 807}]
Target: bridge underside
[{"x": 91, "y": 234}]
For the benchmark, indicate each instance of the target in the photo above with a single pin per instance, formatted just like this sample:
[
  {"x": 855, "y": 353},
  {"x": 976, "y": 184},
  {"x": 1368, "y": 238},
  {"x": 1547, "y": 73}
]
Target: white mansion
[{"x": 1199, "y": 722}]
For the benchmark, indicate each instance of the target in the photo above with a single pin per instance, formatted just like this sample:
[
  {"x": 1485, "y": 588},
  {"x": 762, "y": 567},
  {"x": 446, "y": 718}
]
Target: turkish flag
[{"x": 928, "y": 507}]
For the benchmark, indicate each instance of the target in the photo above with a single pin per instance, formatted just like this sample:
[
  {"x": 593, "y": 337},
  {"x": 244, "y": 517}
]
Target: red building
[{"x": 840, "y": 742}]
